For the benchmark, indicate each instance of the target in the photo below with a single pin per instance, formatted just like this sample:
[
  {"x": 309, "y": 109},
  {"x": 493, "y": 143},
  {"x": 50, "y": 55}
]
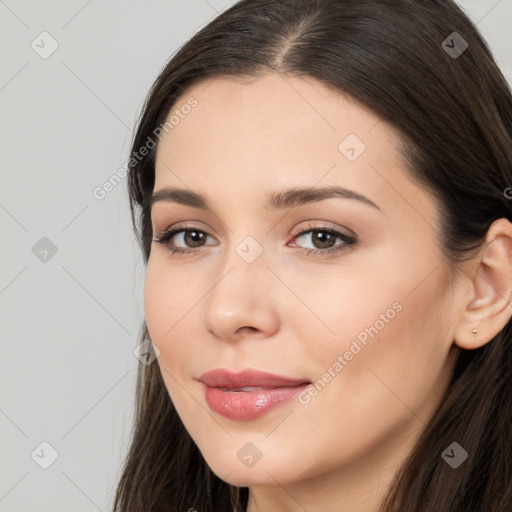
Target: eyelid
[
  {"x": 323, "y": 226},
  {"x": 347, "y": 239},
  {"x": 172, "y": 231},
  {"x": 300, "y": 229}
]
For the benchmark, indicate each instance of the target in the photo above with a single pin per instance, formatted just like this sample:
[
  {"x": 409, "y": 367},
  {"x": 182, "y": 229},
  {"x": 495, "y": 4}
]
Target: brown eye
[
  {"x": 324, "y": 240},
  {"x": 183, "y": 239},
  {"x": 194, "y": 238}
]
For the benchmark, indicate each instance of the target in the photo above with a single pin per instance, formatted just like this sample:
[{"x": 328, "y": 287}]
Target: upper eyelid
[
  {"x": 324, "y": 224},
  {"x": 296, "y": 232}
]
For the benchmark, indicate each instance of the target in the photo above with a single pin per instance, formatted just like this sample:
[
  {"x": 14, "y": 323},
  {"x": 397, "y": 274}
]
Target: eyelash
[{"x": 348, "y": 241}]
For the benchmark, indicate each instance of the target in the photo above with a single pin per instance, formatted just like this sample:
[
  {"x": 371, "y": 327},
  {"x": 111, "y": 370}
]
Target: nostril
[{"x": 250, "y": 327}]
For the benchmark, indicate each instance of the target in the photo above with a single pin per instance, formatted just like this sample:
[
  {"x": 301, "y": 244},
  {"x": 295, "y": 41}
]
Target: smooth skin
[{"x": 293, "y": 313}]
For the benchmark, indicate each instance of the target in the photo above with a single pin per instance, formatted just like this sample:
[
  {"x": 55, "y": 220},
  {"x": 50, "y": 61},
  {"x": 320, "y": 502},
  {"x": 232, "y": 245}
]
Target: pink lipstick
[{"x": 248, "y": 394}]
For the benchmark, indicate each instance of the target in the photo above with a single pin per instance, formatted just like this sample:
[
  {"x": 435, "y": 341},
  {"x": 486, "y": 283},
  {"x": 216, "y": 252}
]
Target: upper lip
[{"x": 223, "y": 378}]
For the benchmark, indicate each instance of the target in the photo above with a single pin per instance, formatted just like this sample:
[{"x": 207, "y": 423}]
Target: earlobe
[{"x": 489, "y": 308}]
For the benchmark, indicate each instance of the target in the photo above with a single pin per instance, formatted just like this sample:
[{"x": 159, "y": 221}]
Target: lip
[{"x": 224, "y": 393}]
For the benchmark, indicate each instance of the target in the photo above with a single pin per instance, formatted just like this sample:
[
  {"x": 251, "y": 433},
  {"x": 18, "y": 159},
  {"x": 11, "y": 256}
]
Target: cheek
[
  {"x": 154, "y": 304},
  {"x": 166, "y": 299},
  {"x": 387, "y": 356},
  {"x": 385, "y": 319},
  {"x": 172, "y": 301},
  {"x": 163, "y": 310},
  {"x": 166, "y": 304}
]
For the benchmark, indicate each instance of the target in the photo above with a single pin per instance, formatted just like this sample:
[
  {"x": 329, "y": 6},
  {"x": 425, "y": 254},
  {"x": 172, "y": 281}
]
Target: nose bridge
[
  {"x": 245, "y": 257},
  {"x": 239, "y": 296}
]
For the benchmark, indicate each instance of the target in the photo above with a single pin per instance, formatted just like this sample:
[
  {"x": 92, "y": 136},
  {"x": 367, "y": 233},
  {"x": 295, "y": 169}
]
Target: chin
[
  {"x": 244, "y": 477},
  {"x": 265, "y": 471}
]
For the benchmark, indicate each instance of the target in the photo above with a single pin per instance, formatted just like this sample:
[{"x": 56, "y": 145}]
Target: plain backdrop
[{"x": 73, "y": 76}]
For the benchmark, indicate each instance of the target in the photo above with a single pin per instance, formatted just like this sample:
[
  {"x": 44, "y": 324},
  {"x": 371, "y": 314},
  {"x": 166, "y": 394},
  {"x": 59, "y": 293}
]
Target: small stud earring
[{"x": 475, "y": 333}]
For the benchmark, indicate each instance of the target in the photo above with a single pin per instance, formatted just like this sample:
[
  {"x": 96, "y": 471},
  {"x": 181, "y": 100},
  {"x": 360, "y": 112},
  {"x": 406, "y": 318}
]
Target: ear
[{"x": 489, "y": 308}]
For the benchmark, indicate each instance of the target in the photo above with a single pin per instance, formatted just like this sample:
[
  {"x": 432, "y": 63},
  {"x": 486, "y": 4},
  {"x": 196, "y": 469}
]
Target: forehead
[
  {"x": 272, "y": 119},
  {"x": 244, "y": 136},
  {"x": 275, "y": 101}
]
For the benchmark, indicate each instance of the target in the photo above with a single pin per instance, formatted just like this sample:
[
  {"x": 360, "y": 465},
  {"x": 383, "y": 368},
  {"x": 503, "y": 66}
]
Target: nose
[{"x": 241, "y": 302}]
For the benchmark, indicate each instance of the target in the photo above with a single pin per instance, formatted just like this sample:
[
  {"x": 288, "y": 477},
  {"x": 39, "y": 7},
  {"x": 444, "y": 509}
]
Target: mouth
[
  {"x": 248, "y": 388},
  {"x": 248, "y": 394}
]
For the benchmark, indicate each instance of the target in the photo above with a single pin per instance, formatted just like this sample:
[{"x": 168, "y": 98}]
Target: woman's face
[{"x": 365, "y": 317}]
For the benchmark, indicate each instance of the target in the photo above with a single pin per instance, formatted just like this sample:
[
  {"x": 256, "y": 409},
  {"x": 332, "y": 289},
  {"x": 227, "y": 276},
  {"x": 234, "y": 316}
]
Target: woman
[{"x": 319, "y": 188}]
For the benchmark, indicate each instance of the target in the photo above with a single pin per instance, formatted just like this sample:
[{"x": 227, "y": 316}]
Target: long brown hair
[{"x": 452, "y": 107}]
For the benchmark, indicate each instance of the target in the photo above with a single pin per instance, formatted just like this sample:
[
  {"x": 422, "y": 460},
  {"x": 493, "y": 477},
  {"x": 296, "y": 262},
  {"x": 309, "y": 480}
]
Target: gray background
[{"x": 70, "y": 320}]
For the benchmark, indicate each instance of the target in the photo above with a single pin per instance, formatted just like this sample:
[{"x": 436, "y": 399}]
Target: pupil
[
  {"x": 324, "y": 239},
  {"x": 193, "y": 238}
]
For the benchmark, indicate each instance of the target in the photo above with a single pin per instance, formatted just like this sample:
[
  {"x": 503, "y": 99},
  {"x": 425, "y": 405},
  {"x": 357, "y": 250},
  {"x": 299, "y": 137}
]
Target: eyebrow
[{"x": 277, "y": 200}]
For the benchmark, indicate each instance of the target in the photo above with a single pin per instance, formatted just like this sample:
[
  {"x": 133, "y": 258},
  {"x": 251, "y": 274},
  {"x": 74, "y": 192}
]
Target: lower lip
[{"x": 249, "y": 405}]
